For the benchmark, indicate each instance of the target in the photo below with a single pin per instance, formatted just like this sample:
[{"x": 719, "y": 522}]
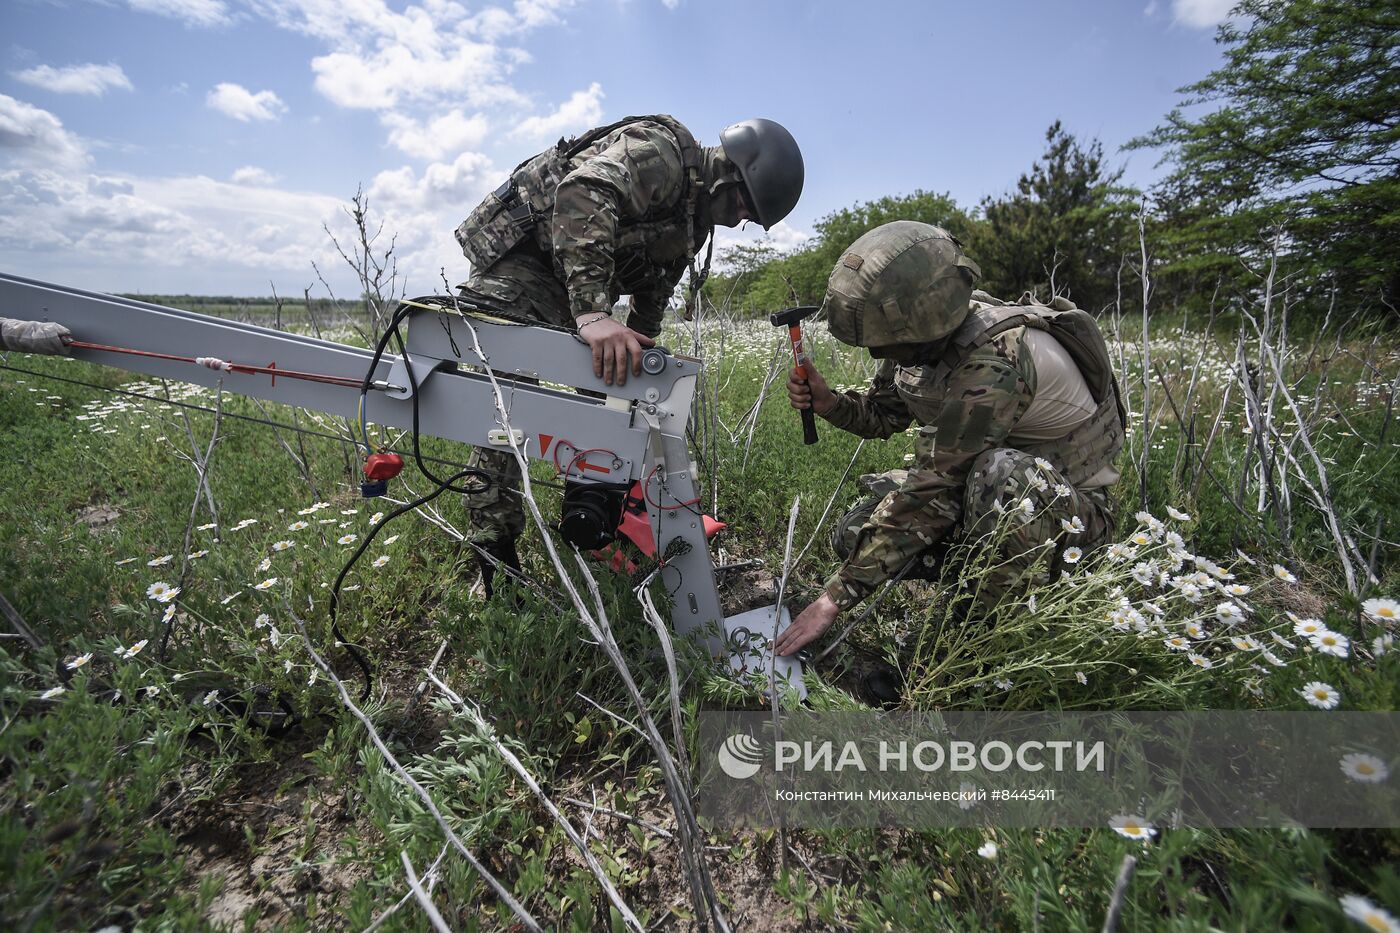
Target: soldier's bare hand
[
  {"x": 808, "y": 626},
  {"x": 813, "y": 393},
  {"x": 616, "y": 348}
]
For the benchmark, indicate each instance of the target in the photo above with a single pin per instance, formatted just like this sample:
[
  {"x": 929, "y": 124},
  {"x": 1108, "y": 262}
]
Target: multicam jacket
[
  {"x": 962, "y": 412},
  {"x": 612, "y": 216}
]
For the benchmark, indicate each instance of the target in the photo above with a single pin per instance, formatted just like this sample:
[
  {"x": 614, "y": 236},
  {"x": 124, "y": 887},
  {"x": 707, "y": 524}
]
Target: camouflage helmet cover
[{"x": 903, "y": 282}]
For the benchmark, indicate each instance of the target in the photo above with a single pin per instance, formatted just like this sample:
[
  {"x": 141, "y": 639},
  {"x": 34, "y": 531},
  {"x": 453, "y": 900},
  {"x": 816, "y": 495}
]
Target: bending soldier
[
  {"x": 621, "y": 210},
  {"x": 1017, "y": 407}
]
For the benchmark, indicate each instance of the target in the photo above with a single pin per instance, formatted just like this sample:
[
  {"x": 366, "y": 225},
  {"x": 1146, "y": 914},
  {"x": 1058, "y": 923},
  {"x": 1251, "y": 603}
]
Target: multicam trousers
[
  {"x": 997, "y": 483},
  {"x": 523, "y": 284}
]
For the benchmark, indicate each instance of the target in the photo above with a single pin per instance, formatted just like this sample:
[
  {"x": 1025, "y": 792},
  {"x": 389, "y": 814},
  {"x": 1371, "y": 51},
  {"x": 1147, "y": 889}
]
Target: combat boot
[{"x": 502, "y": 554}]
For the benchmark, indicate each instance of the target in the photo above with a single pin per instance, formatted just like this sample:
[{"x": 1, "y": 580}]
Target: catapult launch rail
[{"x": 633, "y": 432}]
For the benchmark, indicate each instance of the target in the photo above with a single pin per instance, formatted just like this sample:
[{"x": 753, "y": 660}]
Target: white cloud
[
  {"x": 76, "y": 79},
  {"x": 582, "y": 110},
  {"x": 252, "y": 175},
  {"x": 1202, "y": 14},
  {"x": 445, "y": 135},
  {"x": 671, "y": 4},
  {"x": 190, "y": 12},
  {"x": 495, "y": 23},
  {"x": 29, "y": 135},
  {"x": 238, "y": 102},
  {"x": 783, "y": 237}
]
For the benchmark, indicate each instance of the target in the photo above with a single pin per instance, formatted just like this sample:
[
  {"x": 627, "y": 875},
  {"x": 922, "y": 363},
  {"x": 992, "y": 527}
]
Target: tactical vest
[
  {"x": 1090, "y": 446},
  {"x": 522, "y": 207}
]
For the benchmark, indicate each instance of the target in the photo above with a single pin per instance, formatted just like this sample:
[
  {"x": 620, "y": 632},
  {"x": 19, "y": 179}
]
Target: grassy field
[{"x": 139, "y": 791}]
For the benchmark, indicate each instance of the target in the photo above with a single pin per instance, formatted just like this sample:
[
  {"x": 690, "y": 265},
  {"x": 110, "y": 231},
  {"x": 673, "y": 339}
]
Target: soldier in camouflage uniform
[
  {"x": 1018, "y": 412},
  {"x": 620, "y": 210}
]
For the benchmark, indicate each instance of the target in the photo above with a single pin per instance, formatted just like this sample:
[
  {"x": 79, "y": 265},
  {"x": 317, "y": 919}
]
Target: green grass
[{"x": 169, "y": 809}]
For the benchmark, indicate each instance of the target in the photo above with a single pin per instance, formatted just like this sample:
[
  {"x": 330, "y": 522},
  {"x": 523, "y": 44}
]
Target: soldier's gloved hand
[
  {"x": 33, "y": 336},
  {"x": 616, "y": 347},
  {"x": 813, "y": 393}
]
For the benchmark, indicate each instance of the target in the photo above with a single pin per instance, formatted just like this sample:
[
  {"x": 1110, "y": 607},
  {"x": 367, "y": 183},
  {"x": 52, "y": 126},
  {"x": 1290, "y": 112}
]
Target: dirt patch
[
  {"x": 277, "y": 834},
  {"x": 98, "y": 518}
]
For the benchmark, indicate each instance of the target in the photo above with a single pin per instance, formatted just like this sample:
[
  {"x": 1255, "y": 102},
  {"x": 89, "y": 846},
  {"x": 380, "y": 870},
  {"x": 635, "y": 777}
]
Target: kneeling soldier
[{"x": 1017, "y": 407}]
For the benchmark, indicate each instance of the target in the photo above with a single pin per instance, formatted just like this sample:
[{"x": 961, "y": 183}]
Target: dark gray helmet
[{"x": 770, "y": 164}]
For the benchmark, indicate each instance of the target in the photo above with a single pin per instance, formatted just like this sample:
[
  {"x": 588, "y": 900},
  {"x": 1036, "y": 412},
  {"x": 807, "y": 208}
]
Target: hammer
[{"x": 792, "y": 318}]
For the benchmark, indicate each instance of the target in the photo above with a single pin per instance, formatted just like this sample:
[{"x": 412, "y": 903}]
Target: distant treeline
[
  {"x": 262, "y": 305},
  {"x": 1286, "y": 157}
]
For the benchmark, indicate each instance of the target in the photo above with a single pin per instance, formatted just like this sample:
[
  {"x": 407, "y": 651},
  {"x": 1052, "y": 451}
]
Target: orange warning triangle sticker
[{"x": 545, "y": 441}]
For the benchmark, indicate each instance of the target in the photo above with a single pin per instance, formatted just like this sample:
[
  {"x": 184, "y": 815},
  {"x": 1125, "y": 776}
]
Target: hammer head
[{"x": 790, "y": 316}]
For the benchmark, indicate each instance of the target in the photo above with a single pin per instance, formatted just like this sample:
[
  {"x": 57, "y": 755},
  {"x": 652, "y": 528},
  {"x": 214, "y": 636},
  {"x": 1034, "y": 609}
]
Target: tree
[
  {"x": 1299, "y": 145},
  {"x": 1063, "y": 230}
]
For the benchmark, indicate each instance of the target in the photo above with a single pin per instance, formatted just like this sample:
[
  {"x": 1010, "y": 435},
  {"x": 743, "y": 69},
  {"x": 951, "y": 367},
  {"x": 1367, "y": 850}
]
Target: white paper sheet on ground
[{"x": 750, "y": 636}]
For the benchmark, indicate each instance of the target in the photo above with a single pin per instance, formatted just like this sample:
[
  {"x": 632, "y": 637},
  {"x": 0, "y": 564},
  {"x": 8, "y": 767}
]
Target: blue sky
[{"x": 203, "y": 145}]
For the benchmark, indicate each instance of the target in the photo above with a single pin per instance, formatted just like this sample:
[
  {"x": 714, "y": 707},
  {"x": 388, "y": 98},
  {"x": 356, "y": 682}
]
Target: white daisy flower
[
  {"x": 1320, "y": 695},
  {"x": 1044, "y": 464},
  {"x": 1281, "y": 641},
  {"x": 134, "y": 650},
  {"x": 390, "y": 540},
  {"x": 1194, "y": 630},
  {"x": 160, "y": 561},
  {"x": 1038, "y": 482},
  {"x": 168, "y": 614},
  {"x": 1272, "y": 658},
  {"x": 1178, "y": 514},
  {"x": 376, "y": 518},
  {"x": 1382, "y": 610},
  {"x": 1368, "y": 769},
  {"x": 1245, "y": 643},
  {"x": 198, "y": 554},
  {"x": 162, "y": 592},
  {"x": 1071, "y": 555},
  {"x": 306, "y": 511},
  {"x": 283, "y": 545},
  {"x": 988, "y": 850},
  {"x": 1143, "y": 574},
  {"x": 298, "y": 526},
  {"x": 264, "y": 565},
  {"x": 52, "y": 693},
  {"x": 230, "y": 598},
  {"x": 1333, "y": 643},
  {"x": 347, "y": 539},
  {"x": 1199, "y": 660},
  {"x": 1144, "y": 518},
  {"x": 266, "y": 584},
  {"x": 211, "y": 697},
  {"x": 1134, "y": 827},
  {"x": 1155, "y": 609},
  {"x": 1177, "y": 643},
  {"x": 1003, "y": 684},
  {"x": 1026, "y": 507},
  {"x": 1081, "y": 677},
  {"x": 349, "y": 511},
  {"x": 1368, "y": 914},
  {"x": 79, "y": 661},
  {"x": 207, "y": 526},
  {"x": 1175, "y": 541},
  {"x": 1121, "y": 552},
  {"x": 152, "y": 690},
  {"x": 1140, "y": 539},
  {"x": 1283, "y": 573},
  {"x": 325, "y": 521},
  {"x": 1229, "y": 613},
  {"x": 1308, "y": 627},
  {"x": 1237, "y": 589},
  {"x": 1190, "y": 592},
  {"x": 1074, "y": 525},
  {"x": 1381, "y": 644},
  {"x": 125, "y": 561},
  {"x": 312, "y": 679},
  {"x": 381, "y": 560}
]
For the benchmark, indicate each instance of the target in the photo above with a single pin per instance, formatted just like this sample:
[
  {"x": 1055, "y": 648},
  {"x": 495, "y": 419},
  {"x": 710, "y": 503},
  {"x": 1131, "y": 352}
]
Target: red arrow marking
[{"x": 273, "y": 365}]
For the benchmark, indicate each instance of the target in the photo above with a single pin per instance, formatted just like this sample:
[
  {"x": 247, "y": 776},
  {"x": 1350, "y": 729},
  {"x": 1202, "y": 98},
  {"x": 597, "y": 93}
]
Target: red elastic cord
[{"x": 347, "y": 381}]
